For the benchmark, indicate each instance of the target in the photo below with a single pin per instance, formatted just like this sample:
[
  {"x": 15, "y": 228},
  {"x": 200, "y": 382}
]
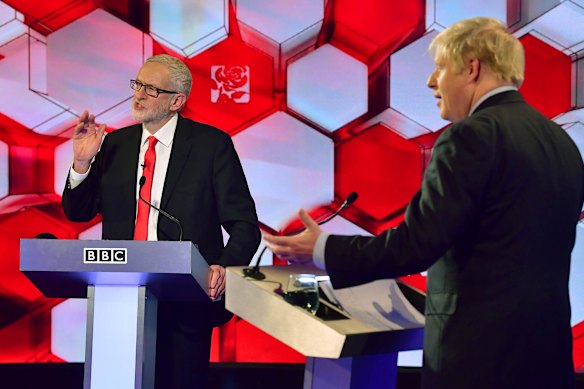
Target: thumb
[{"x": 308, "y": 222}]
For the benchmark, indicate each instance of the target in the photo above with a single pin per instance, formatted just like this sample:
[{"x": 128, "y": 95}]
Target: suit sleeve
[
  {"x": 236, "y": 207},
  {"x": 83, "y": 203},
  {"x": 448, "y": 201}
]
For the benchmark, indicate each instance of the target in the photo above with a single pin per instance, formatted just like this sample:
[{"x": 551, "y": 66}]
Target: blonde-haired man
[
  {"x": 494, "y": 224},
  {"x": 191, "y": 171}
]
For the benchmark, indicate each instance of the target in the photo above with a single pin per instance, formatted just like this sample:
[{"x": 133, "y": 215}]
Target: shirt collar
[
  {"x": 166, "y": 133},
  {"x": 492, "y": 92}
]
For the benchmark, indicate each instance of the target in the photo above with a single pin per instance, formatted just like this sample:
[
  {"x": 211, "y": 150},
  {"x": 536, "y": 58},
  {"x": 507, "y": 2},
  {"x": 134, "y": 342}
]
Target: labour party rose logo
[{"x": 231, "y": 83}]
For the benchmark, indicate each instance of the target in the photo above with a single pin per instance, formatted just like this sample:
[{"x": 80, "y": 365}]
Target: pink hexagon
[
  {"x": 90, "y": 67},
  {"x": 68, "y": 328},
  {"x": 11, "y": 24},
  {"x": 24, "y": 77},
  {"x": 280, "y": 29},
  {"x": 288, "y": 166},
  {"x": 189, "y": 26},
  {"x": 560, "y": 24},
  {"x": 328, "y": 87},
  {"x": 443, "y": 13}
]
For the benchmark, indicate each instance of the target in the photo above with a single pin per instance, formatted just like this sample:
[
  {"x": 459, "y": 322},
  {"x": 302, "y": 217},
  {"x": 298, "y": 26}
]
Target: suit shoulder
[
  {"x": 205, "y": 131},
  {"x": 124, "y": 133}
]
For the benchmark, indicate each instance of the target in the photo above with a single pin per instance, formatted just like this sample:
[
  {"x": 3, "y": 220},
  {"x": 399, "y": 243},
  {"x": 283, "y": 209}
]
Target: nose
[
  {"x": 431, "y": 82},
  {"x": 141, "y": 93}
]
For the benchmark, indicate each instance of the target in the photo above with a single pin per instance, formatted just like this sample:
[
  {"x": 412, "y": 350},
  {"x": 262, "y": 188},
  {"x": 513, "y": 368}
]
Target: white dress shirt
[{"x": 165, "y": 136}]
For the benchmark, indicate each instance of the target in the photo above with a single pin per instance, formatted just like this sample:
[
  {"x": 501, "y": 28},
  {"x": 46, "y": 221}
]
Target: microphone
[
  {"x": 45, "y": 235},
  {"x": 169, "y": 216},
  {"x": 255, "y": 273}
]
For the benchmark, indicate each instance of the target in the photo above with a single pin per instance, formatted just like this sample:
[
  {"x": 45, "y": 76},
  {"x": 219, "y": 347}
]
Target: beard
[{"x": 154, "y": 114}]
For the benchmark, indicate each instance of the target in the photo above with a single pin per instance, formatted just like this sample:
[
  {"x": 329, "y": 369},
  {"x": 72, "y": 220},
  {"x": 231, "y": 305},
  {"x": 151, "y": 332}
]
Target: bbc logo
[{"x": 115, "y": 256}]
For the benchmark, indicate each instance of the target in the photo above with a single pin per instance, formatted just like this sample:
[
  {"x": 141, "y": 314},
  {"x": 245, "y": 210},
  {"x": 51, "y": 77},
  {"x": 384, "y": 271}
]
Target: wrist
[{"x": 81, "y": 167}]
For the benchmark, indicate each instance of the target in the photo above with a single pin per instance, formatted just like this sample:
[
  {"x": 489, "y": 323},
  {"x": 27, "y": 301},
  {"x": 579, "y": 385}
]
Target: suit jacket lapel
[
  {"x": 128, "y": 170},
  {"x": 181, "y": 147}
]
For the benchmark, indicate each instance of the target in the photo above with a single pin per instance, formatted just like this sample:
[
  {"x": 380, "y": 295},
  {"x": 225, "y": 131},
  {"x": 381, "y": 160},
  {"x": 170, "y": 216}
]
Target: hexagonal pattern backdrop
[{"x": 321, "y": 97}]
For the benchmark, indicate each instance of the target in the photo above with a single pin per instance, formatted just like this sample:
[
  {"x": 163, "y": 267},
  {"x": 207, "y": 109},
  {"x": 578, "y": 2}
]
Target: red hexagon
[
  {"x": 548, "y": 72},
  {"x": 385, "y": 169},
  {"x": 25, "y": 309},
  {"x": 48, "y": 16},
  {"x": 225, "y": 113},
  {"x": 371, "y": 29}
]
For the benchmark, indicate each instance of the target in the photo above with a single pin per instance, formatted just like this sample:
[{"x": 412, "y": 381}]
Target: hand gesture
[
  {"x": 216, "y": 281},
  {"x": 86, "y": 141},
  {"x": 297, "y": 248}
]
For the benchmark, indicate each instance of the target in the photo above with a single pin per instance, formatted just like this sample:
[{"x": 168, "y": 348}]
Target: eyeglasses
[{"x": 150, "y": 90}]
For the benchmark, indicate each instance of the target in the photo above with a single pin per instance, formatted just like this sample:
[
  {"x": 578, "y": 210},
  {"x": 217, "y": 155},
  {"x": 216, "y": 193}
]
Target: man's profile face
[
  {"x": 450, "y": 88},
  {"x": 148, "y": 109}
]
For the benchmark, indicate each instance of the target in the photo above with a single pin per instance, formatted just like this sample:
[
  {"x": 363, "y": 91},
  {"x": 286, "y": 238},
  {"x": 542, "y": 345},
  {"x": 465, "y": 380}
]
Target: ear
[
  {"x": 474, "y": 69},
  {"x": 178, "y": 101}
]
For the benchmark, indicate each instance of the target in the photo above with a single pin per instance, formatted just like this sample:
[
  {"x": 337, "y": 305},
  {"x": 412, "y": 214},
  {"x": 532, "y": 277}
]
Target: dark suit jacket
[
  {"x": 494, "y": 221},
  {"x": 205, "y": 188}
]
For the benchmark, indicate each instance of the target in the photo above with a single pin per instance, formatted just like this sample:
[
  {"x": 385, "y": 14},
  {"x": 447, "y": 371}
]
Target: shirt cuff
[
  {"x": 318, "y": 251},
  {"x": 76, "y": 178}
]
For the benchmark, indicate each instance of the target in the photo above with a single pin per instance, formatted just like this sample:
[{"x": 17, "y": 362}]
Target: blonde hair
[
  {"x": 180, "y": 75},
  {"x": 485, "y": 39}
]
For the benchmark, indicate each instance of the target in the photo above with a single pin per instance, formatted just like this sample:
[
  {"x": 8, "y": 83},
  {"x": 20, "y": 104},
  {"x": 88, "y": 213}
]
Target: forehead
[{"x": 154, "y": 73}]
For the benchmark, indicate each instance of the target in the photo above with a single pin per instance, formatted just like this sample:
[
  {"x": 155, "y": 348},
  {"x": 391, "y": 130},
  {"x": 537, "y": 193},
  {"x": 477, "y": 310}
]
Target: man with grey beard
[{"x": 192, "y": 172}]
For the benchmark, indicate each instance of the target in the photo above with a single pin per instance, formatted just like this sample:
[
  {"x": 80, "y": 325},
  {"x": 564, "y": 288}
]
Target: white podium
[{"x": 341, "y": 354}]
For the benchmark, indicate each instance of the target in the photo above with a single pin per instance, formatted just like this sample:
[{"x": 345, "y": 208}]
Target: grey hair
[{"x": 180, "y": 75}]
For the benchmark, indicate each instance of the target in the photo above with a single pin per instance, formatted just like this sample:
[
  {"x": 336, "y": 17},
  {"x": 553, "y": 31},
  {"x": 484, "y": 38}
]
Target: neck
[
  {"x": 153, "y": 126},
  {"x": 485, "y": 87}
]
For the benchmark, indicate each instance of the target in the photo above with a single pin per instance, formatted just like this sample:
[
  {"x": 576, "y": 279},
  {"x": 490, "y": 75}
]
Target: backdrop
[{"x": 322, "y": 98}]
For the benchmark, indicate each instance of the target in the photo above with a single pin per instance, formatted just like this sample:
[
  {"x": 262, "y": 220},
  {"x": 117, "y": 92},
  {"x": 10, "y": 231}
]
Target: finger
[
  {"x": 214, "y": 278},
  {"x": 276, "y": 240},
  {"x": 101, "y": 129},
  {"x": 84, "y": 116},
  {"x": 308, "y": 222}
]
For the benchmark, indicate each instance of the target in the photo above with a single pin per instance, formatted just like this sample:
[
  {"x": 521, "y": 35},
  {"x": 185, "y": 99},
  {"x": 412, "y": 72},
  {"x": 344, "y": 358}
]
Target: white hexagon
[
  {"x": 410, "y": 68},
  {"x": 68, "y": 327},
  {"x": 281, "y": 29},
  {"x": 576, "y": 277},
  {"x": 24, "y": 77},
  {"x": 189, "y": 26},
  {"x": 91, "y": 61},
  {"x": 398, "y": 122},
  {"x": 11, "y": 23},
  {"x": 573, "y": 123},
  {"x": 4, "y": 165},
  {"x": 288, "y": 166},
  {"x": 92, "y": 233},
  {"x": 442, "y": 13},
  {"x": 328, "y": 87},
  {"x": 63, "y": 161},
  {"x": 559, "y": 23}
]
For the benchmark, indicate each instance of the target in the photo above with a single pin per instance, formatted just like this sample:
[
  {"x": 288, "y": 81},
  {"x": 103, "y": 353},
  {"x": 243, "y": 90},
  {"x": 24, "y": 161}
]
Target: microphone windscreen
[
  {"x": 142, "y": 181},
  {"x": 45, "y": 235},
  {"x": 351, "y": 198}
]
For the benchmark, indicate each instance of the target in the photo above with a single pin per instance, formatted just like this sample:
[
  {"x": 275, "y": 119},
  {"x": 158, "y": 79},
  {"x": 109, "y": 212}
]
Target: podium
[
  {"x": 123, "y": 281},
  {"x": 342, "y": 353}
]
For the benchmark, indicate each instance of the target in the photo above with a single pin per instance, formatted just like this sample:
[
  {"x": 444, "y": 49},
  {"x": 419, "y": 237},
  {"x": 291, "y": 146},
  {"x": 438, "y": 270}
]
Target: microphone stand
[
  {"x": 255, "y": 273},
  {"x": 164, "y": 213}
]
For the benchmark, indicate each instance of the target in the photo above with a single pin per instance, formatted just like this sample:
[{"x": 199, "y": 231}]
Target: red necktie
[{"x": 141, "y": 229}]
